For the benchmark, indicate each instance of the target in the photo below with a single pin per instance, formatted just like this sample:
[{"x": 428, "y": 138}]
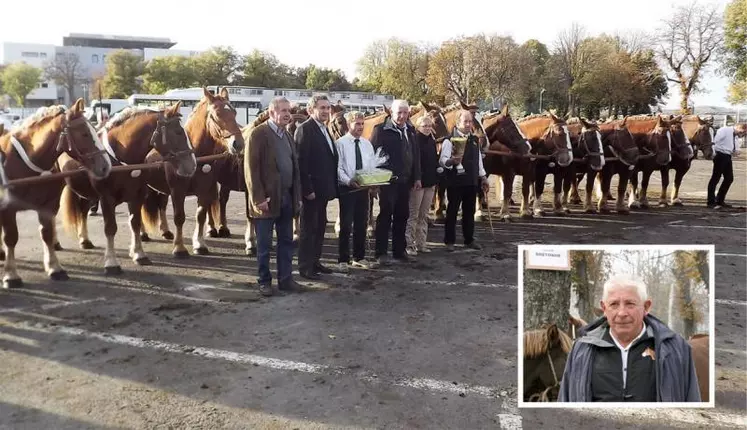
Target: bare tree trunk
[
  {"x": 547, "y": 298},
  {"x": 684, "y": 97}
]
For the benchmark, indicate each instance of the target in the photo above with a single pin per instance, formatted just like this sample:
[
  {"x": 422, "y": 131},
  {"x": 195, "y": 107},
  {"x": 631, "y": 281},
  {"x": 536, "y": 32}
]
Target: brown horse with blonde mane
[
  {"x": 212, "y": 129},
  {"x": 617, "y": 142},
  {"x": 545, "y": 354},
  {"x": 586, "y": 140},
  {"x": 128, "y": 138},
  {"x": 32, "y": 149},
  {"x": 654, "y": 140},
  {"x": 683, "y": 152},
  {"x": 504, "y": 135}
]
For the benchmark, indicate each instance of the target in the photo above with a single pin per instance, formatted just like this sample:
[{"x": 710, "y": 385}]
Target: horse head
[
  {"x": 221, "y": 121},
  {"x": 590, "y": 144},
  {"x": 659, "y": 141},
  {"x": 681, "y": 146},
  {"x": 545, "y": 353},
  {"x": 700, "y": 133},
  {"x": 171, "y": 141},
  {"x": 337, "y": 123},
  {"x": 435, "y": 113},
  {"x": 502, "y": 130},
  {"x": 619, "y": 141}
]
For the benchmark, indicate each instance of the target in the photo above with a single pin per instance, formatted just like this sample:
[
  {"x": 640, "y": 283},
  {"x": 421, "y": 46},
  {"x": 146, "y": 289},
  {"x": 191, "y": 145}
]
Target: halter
[
  {"x": 647, "y": 153},
  {"x": 215, "y": 120},
  {"x": 64, "y": 138},
  {"x": 333, "y": 122},
  {"x": 557, "y": 150},
  {"x": 161, "y": 125},
  {"x": 584, "y": 145}
]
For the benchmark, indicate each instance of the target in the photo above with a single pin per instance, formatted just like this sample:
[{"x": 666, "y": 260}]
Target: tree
[
  {"x": 262, "y": 69},
  {"x": 735, "y": 50},
  {"x": 67, "y": 71},
  {"x": 217, "y": 66},
  {"x": 450, "y": 74},
  {"x": 572, "y": 61},
  {"x": 319, "y": 78},
  {"x": 19, "y": 79},
  {"x": 396, "y": 67},
  {"x": 123, "y": 71},
  {"x": 533, "y": 60},
  {"x": 547, "y": 298},
  {"x": 165, "y": 73},
  {"x": 687, "y": 42},
  {"x": 589, "y": 269}
]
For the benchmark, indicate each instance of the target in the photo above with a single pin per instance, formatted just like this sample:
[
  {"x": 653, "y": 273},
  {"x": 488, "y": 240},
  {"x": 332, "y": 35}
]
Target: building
[{"x": 91, "y": 49}]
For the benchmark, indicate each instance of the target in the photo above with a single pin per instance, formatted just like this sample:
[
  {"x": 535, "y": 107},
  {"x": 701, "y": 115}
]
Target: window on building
[
  {"x": 42, "y": 55},
  {"x": 279, "y": 92},
  {"x": 29, "y": 54},
  {"x": 304, "y": 93},
  {"x": 43, "y": 85},
  {"x": 95, "y": 59},
  {"x": 103, "y": 58},
  {"x": 367, "y": 96},
  {"x": 344, "y": 96}
]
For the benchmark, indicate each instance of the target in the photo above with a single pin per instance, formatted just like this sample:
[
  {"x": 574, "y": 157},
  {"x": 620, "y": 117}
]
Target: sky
[{"x": 300, "y": 32}]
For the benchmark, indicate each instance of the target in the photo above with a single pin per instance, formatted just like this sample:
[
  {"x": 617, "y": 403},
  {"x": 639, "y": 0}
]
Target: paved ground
[{"x": 429, "y": 345}]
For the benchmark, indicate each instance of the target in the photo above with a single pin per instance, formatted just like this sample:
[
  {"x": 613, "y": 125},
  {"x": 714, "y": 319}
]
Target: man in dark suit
[{"x": 317, "y": 159}]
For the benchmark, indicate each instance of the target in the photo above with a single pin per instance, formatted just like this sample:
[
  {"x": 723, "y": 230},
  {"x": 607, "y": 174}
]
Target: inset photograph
[{"x": 622, "y": 324}]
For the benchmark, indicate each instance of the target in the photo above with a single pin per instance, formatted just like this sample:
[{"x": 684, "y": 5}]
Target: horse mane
[
  {"x": 536, "y": 343},
  {"x": 127, "y": 113},
  {"x": 451, "y": 108},
  {"x": 534, "y": 116},
  {"x": 643, "y": 117},
  {"x": 375, "y": 115},
  {"x": 261, "y": 118},
  {"x": 41, "y": 115}
]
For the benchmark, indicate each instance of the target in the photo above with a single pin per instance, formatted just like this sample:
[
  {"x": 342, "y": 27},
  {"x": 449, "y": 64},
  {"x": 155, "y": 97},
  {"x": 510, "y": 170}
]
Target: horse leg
[
  {"x": 213, "y": 217},
  {"x": 591, "y": 181},
  {"x": 606, "y": 182},
  {"x": 337, "y": 226},
  {"x": 177, "y": 202},
  {"x": 575, "y": 181},
  {"x": 678, "y": 176},
  {"x": 10, "y": 239},
  {"x": 204, "y": 200},
  {"x": 633, "y": 201},
  {"x": 539, "y": 188},
  {"x": 136, "y": 225},
  {"x": 664, "y": 171},
  {"x": 2, "y": 251},
  {"x": 163, "y": 220},
  {"x": 57, "y": 245},
  {"x": 223, "y": 231},
  {"x": 526, "y": 186},
  {"x": 643, "y": 194},
  {"x": 440, "y": 210},
  {"x": 51, "y": 264},
  {"x": 83, "y": 240},
  {"x": 370, "y": 229},
  {"x": 623, "y": 176},
  {"x": 250, "y": 233},
  {"x": 508, "y": 187},
  {"x": 111, "y": 265}
]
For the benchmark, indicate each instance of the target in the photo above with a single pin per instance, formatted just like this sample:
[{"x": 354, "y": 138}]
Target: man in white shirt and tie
[
  {"x": 355, "y": 153},
  {"x": 725, "y": 146}
]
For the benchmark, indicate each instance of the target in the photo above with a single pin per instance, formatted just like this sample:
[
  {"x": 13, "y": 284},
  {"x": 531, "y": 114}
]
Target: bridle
[
  {"x": 584, "y": 144},
  {"x": 160, "y": 130},
  {"x": 615, "y": 141},
  {"x": 216, "y": 131},
  {"x": 544, "y": 396},
  {"x": 551, "y": 134},
  {"x": 335, "y": 123},
  {"x": 66, "y": 139}
]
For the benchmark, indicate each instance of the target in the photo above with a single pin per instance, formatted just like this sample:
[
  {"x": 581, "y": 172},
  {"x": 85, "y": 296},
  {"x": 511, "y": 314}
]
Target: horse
[
  {"x": 617, "y": 142},
  {"x": 700, "y": 132},
  {"x": 700, "y": 345},
  {"x": 682, "y": 156},
  {"x": 212, "y": 129},
  {"x": 654, "y": 140},
  {"x": 32, "y": 149},
  {"x": 586, "y": 141},
  {"x": 128, "y": 138},
  {"x": 549, "y": 137},
  {"x": 545, "y": 353},
  {"x": 503, "y": 134}
]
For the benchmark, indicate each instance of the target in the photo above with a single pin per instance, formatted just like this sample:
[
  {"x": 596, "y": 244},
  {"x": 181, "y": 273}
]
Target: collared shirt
[
  {"x": 323, "y": 128},
  {"x": 346, "y": 161},
  {"x": 276, "y": 128},
  {"x": 724, "y": 141},
  {"x": 446, "y": 155},
  {"x": 624, "y": 352}
]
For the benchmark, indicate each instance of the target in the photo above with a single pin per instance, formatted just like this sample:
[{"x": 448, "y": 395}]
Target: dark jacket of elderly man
[{"x": 661, "y": 368}]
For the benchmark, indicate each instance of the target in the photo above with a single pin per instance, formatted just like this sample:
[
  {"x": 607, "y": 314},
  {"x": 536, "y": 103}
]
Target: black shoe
[
  {"x": 403, "y": 259},
  {"x": 725, "y": 205},
  {"x": 266, "y": 290},
  {"x": 473, "y": 245},
  {"x": 290, "y": 286},
  {"x": 310, "y": 276},
  {"x": 322, "y": 269},
  {"x": 710, "y": 205}
]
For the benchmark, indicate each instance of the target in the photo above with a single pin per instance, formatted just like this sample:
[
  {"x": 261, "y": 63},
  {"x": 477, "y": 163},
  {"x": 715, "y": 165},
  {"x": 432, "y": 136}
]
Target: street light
[{"x": 541, "y": 92}]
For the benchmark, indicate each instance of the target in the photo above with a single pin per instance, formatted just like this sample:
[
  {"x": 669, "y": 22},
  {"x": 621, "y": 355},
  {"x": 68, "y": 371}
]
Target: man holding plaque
[{"x": 464, "y": 172}]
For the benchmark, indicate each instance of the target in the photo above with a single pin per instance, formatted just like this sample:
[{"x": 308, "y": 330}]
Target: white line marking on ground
[
  {"x": 731, "y": 302},
  {"x": 279, "y": 364},
  {"x": 702, "y": 417},
  {"x": 51, "y": 306},
  {"x": 732, "y": 351},
  {"x": 710, "y": 227},
  {"x": 464, "y": 283},
  {"x": 512, "y": 419},
  {"x": 724, "y": 254}
]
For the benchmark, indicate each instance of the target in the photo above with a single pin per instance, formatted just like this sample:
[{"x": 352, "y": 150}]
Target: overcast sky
[{"x": 301, "y": 32}]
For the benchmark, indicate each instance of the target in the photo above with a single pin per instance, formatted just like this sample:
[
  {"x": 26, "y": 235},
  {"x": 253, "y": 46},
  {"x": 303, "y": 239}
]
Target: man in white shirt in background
[
  {"x": 725, "y": 146},
  {"x": 355, "y": 153}
]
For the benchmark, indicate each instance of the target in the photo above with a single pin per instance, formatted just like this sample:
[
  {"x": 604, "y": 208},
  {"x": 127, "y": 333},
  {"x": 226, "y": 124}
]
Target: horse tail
[
  {"x": 150, "y": 211},
  {"x": 72, "y": 210}
]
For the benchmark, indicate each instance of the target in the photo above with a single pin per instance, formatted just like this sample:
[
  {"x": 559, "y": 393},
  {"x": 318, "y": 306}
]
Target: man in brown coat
[{"x": 273, "y": 182}]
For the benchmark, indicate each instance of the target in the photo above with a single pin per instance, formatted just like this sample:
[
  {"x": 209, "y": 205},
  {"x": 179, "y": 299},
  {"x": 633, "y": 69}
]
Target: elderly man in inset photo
[{"x": 628, "y": 355}]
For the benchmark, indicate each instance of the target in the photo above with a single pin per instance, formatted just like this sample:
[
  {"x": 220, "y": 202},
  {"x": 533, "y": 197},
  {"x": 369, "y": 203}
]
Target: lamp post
[{"x": 540, "y": 106}]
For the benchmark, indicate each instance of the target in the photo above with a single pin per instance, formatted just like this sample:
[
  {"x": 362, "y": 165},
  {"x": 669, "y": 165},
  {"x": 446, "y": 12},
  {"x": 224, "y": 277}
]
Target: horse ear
[
  {"x": 624, "y": 121},
  {"x": 387, "y": 110},
  {"x": 78, "y": 106},
  {"x": 173, "y": 110},
  {"x": 552, "y": 333},
  {"x": 224, "y": 93},
  {"x": 207, "y": 94}
]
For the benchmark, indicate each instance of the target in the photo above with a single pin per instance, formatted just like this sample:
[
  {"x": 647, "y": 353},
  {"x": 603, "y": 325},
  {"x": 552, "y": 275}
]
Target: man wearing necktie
[
  {"x": 356, "y": 153},
  {"x": 317, "y": 160}
]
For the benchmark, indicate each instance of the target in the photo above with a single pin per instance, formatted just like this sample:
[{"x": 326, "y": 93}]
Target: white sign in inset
[{"x": 548, "y": 259}]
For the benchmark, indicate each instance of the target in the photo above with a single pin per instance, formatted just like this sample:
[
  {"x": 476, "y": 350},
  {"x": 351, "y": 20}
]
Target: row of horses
[
  {"x": 60, "y": 139},
  {"x": 546, "y": 351}
]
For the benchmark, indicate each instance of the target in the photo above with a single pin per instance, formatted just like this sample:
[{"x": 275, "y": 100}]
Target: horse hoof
[
  {"x": 678, "y": 204},
  {"x": 590, "y": 211},
  {"x": 143, "y": 261},
  {"x": 168, "y": 235},
  {"x": 181, "y": 254},
  {"x": 527, "y": 216},
  {"x": 576, "y": 201},
  {"x": 144, "y": 237},
  {"x": 113, "y": 270},
  {"x": 59, "y": 276},
  {"x": 86, "y": 244},
  {"x": 57, "y": 246},
  {"x": 212, "y": 233},
  {"x": 663, "y": 205},
  {"x": 202, "y": 251},
  {"x": 13, "y": 283},
  {"x": 224, "y": 232}
]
